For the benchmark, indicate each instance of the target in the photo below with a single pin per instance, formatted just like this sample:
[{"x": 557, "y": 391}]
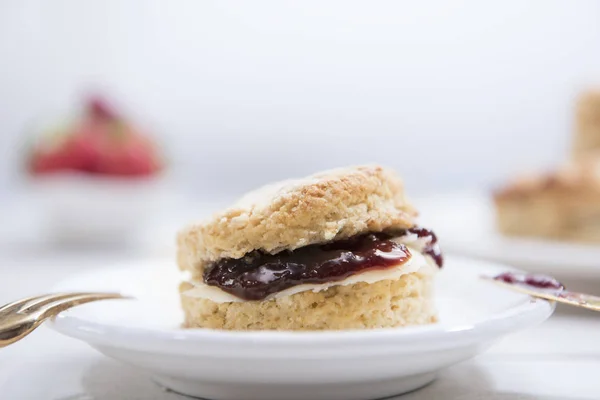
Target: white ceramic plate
[
  {"x": 465, "y": 224},
  {"x": 292, "y": 365},
  {"x": 80, "y": 209}
]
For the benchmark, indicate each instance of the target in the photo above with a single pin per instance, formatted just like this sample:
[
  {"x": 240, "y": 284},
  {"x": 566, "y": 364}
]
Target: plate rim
[{"x": 526, "y": 313}]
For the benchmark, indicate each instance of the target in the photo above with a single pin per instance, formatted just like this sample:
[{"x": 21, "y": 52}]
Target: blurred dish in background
[
  {"x": 98, "y": 178},
  {"x": 563, "y": 204},
  {"x": 465, "y": 223}
]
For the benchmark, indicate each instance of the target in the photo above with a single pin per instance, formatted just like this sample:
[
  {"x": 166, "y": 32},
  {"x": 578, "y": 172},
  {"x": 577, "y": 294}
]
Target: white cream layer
[{"x": 417, "y": 262}]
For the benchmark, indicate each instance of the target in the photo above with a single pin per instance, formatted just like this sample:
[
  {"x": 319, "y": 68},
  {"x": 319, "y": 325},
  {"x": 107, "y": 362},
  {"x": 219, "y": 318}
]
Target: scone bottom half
[{"x": 360, "y": 277}]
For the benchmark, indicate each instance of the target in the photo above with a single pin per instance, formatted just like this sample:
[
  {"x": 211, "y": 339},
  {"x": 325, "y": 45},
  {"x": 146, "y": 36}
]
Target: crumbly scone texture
[
  {"x": 327, "y": 206},
  {"x": 564, "y": 204},
  {"x": 388, "y": 303}
]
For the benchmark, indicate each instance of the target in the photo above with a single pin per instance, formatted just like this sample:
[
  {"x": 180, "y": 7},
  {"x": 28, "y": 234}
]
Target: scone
[
  {"x": 336, "y": 250},
  {"x": 564, "y": 204},
  {"x": 587, "y": 124}
]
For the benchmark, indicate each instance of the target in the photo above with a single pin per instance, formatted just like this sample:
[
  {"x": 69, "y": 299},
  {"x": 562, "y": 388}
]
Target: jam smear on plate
[{"x": 533, "y": 280}]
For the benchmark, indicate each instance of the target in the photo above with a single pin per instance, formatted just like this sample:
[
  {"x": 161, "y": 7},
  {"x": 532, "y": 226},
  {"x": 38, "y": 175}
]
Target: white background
[{"x": 453, "y": 94}]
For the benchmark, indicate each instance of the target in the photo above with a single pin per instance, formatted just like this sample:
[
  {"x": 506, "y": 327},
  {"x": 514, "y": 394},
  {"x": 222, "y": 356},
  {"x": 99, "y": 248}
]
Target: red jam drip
[
  {"x": 431, "y": 248},
  {"x": 259, "y": 275},
  {"x": 536, "y": 281}
]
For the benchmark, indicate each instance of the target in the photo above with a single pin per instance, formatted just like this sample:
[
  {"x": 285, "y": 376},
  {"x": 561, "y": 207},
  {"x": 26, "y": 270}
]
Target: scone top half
[{"x": 333, "y": 205}]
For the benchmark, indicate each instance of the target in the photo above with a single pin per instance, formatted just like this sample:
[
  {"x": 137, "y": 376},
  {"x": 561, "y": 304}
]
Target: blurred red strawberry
[
  {"x": 128, "y": 153},
  {"x": 101, "y": 143},
  {"x": 99, "y": 109},
  {"x": 76, "y": 152},
  {"x": 43, "y": 161}
]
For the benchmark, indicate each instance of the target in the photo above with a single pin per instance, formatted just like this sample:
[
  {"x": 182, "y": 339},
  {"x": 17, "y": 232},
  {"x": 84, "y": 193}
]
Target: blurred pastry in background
[
  {"x": 96, "y": 179},
  {"x": 563, "y": 204},
  {"x": 587, "y": 124}
]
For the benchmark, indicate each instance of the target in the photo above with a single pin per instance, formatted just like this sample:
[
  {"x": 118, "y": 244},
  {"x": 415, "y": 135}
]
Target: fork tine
[
  {"x": 20, "y": 318},
  {"x": 10, "y": 307},
  {"x": 52, "y": 308},
  {"x": 49, "y": 298}
]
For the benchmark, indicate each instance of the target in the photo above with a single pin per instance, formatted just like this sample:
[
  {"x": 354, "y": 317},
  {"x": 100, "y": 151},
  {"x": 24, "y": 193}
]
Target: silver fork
[{"x": 18, "y": 319}]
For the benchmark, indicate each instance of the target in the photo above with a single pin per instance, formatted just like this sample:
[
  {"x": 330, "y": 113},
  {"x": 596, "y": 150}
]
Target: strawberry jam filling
[{"x": 258, "y": 274}]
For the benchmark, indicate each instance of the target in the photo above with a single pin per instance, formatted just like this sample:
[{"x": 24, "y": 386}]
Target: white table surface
[{"x": 558, "y": 360}]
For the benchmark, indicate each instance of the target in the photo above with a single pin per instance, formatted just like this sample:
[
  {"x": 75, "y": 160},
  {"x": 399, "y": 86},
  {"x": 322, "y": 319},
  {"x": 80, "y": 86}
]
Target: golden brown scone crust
[
  {"x": 388, "y": 303},
  {"x": 327, "y": 206}
]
